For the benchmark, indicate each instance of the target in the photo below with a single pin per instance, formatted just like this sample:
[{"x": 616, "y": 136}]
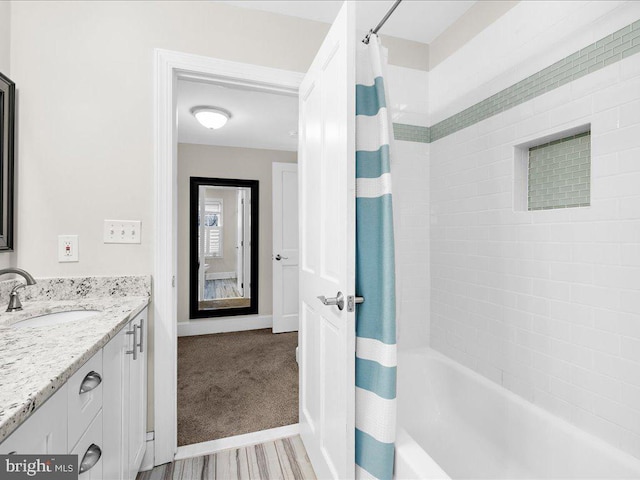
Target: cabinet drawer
[
  {"x": 90, "y": 445},
  {"x": 44, "y": 432},
  {"x": 84, "y": 391}
]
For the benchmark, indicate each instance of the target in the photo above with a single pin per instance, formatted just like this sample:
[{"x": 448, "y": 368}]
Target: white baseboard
[
  {"x": 288, "y": 323},
  {"x": 237, "y": 441},
  {"x": 148, "y": 461},
  {"x": 219, "y": 275},
  {"x": 238, "y": 323}
]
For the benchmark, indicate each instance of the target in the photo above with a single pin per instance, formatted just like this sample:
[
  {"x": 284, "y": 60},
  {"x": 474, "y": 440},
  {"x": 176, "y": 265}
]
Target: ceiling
[
  {"x": 258, "y": 119},
  {"x": 265, "y": 120},
  {"x": 417, "y": 20}
]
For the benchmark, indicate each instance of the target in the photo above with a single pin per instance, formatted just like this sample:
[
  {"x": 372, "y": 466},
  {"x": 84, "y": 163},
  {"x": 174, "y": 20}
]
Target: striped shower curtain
[{"x": 375, "y": 272}]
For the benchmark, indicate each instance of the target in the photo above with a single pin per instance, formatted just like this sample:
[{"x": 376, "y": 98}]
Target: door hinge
[
  {"x": 173, "y": 281},
  {"x": 352, "y": 300}
]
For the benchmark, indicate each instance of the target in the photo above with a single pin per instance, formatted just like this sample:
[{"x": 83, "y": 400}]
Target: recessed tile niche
[{"x": 554, "y": 172}]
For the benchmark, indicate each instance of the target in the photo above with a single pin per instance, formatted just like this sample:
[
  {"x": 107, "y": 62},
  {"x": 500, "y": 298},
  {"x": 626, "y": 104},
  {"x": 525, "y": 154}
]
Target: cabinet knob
[
  {"x": 91, "y": 457},
  {"x": 91, "y": 381}
]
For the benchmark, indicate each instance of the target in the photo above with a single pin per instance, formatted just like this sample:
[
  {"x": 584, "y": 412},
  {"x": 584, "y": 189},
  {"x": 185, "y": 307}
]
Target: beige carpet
[{"x": 235, "y": 383}]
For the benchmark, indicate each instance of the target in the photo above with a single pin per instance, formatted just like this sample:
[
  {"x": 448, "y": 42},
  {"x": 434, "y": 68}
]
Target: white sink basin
[{"x": 55, "y": 318}]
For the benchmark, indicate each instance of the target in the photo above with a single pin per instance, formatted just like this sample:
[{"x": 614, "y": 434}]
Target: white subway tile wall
[
  {"x": 410, "y": 177},
  {"x": 408, "y": 102},
  {"x": 547, "y": 302}
]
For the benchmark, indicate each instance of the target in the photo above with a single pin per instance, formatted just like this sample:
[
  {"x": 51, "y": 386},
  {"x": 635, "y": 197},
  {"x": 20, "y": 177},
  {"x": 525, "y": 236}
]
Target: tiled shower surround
[
  {"x": 560, "y": 173},
  {"x": 620, "y": 44},
  {"x": 546, "y": 302}
]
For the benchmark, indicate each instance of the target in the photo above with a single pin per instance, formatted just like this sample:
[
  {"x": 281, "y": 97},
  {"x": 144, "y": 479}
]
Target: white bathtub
[{"x": 454, "y": 423}]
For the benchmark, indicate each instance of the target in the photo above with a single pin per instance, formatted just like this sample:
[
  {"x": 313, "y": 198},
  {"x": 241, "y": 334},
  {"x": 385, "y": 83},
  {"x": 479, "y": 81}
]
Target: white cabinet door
[
  {"x": 138, "y": 396},
  {"x": 125, "y": 400},
  {"x": 44, "y": 432},
  {"x": 115, "y": 364},
  {"x": 327, "y": 251}
]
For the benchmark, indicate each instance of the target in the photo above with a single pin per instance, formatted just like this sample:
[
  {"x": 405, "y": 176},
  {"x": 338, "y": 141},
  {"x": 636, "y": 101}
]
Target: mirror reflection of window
[{"x": 212, "y": 231}]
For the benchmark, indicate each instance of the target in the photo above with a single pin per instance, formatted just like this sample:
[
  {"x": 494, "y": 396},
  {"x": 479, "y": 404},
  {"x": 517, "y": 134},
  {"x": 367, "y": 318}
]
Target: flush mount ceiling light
[{"x": 211, "y": 117}]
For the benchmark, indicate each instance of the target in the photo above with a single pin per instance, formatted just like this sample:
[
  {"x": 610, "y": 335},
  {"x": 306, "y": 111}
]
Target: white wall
[
  {"x": 227, "y": 162},
  {"x": 5, "y": 36},
  {"x": 529, "y": 37},
  {"x": 546, "y": 303},
  {"x": 473, "y": 21},
  {"x": 84, "y": 74},
  {"x": 6, "y": 258},
  {"x": 85, "y": 79}
]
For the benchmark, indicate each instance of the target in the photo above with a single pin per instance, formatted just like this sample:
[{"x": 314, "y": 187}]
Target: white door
[
  {"x": 285, "y": 247},
  {"x": 246, "y": 243},
  {"x": 202, "y": 266},
  {"x": 240, "y": 242},
  {"x": 327, "y": 251}
]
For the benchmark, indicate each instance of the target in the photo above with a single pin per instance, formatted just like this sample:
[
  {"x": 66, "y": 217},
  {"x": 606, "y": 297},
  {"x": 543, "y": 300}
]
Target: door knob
[
  {"x": 279, "y": 257},
  {"x": 338, "y": 300}
]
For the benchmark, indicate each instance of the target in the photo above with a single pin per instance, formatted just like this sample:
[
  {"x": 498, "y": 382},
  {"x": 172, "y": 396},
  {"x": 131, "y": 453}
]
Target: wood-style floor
[
  {"x": 222, "y": 293},
  {"x": 282, "y": 459},
  {"x": 222, "y": 288}
]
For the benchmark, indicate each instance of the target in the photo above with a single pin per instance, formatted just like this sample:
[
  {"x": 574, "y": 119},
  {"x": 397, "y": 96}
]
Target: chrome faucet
[{"x": 14, "y": 299}]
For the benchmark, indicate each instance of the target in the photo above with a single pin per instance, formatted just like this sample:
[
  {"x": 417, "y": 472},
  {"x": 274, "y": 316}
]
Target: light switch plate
[
  {"x": 67, "y": 248},
  {"x": 122, "y": 231}
]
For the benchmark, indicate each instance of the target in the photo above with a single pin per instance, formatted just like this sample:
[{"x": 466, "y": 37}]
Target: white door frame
[{"x": 169, "y": 67}]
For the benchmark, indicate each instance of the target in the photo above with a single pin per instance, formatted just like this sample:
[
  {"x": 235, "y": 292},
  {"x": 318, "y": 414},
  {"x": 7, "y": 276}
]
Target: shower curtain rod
[{"x": 373, "y": 31}]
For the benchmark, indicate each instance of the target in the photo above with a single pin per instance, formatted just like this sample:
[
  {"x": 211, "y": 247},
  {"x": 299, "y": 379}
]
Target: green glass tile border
[
  {"x": 560, "y": 140},
  {"x": 411, "y": 133},
  {"x": 610, "y": 49}
]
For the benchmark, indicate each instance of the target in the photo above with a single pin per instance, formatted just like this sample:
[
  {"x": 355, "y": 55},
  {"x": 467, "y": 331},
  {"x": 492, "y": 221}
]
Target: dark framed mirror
[
  {"x": 7, "y": 141},
  {"x": 223, "y": 247}
]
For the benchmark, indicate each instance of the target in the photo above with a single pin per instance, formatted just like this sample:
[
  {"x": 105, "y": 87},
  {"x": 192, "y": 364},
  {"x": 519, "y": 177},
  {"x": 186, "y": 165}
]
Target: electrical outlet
[
  {"x": 67, "y": 248},
  {"x": 122, "y": 231}
]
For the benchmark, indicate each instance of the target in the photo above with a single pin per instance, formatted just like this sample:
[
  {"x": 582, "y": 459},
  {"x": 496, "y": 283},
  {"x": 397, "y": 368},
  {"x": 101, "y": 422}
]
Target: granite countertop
[{"x": 36, "y": 361}]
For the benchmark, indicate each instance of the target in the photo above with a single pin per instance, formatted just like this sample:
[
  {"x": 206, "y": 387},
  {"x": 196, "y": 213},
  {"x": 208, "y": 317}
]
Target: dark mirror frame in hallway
[{"x": 195, "y": 308}]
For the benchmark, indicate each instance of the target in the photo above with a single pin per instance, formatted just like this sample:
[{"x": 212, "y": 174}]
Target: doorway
[
  {"x": 170, "y": 67},
  {"x": 234, "y": 377}
]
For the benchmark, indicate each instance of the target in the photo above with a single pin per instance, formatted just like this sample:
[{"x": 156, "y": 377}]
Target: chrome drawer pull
[
  {"x": 133, "y": 351},
  {"x": 91, "y": 381},
  {"x": 91, "y": 457},
  {"x": 141, "y": 327}
]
